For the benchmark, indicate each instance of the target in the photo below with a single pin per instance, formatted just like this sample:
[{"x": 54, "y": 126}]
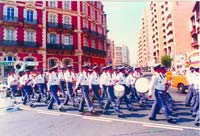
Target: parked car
[{"x": 180, "y": 82}]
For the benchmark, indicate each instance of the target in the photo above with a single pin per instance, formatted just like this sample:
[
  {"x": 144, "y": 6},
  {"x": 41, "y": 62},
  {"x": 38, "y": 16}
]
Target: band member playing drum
[
  {"x": 157, "y": 86},
  {"x": 70, "y": 79},
  {"x": 109, "y": 82},
  {"x": 130, "y": 82},
  {"x": 83, "y": 80},
  {"x": 121, "y": 80},
  {"x": 13, "y": 82},
  {"x": 94, "y": 84}
]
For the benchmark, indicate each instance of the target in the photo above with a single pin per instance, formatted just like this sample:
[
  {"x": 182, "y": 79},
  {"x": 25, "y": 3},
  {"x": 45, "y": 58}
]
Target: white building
[{"x": 121, "y": 55}]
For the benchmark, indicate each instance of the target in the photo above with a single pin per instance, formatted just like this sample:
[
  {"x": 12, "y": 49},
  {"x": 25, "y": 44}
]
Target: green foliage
[{"x": 166, "y": 61}]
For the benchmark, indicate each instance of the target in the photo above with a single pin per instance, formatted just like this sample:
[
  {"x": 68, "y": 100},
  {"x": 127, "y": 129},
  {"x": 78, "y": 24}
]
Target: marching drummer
[
  {"x": 83, "y": 81},
  {"x": 94, "y": 84},
  {"x": 13, "y": 84},
  {"x": 109, "y": 83},
  {"x": 157, "y": 87},
  {"x": 130, "y": 82},
  {"x": 121, "y": 80}
]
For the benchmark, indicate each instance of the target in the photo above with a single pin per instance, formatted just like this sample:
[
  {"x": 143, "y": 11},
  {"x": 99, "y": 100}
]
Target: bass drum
[
  {"x": 142, "y": 85},
  {"x": 119, "y": 91}
]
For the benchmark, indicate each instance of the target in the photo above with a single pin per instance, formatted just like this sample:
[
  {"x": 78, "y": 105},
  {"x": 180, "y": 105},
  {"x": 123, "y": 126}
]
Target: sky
[{"x": 124, "y": 20}]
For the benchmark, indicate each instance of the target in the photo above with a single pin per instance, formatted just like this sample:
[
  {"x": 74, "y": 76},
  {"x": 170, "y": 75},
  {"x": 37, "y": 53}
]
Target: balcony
[
  {"x": 52, "y": 25},
  {"x": 67, "y": 26},
  {"x": 11, "y": 43},
  {"x": 31, "y": 22},
  {"x": 169, "y": 30},
  {"x": 53, "y": 46},
  {"x": 193, "y": 32},
  {"x": 194, "y": 43},
  {"x": 94, "y": 51},
  {"x": 10, "y": 19},
  {"x": 170, "y": 38},
  {"x": 67, "y": 47}
]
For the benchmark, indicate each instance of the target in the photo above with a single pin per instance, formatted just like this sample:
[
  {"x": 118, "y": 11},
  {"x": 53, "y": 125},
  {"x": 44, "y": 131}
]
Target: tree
[{"x": 166, "y": 61}]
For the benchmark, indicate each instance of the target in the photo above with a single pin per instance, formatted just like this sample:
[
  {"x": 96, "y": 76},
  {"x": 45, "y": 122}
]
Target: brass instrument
[{"x": 19, "y": 66}]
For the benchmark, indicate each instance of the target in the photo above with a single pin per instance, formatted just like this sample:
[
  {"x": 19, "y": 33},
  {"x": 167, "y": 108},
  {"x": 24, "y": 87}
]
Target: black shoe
[
  {"x": 49, "y": 108},
  {"x": 187, "y": 105},
  {"x": 194, "y": 115},
  {"x": 105, "y": 111},
  {"x": 170, "y": 120},
  {"x": 130, "y": 109},
  {"x": 197, "y": 124},
  {"x": 61, "y": 109},
  {"x": 150, "y": 118},
  {"x": 80, "y": 110},
  {"x": 92, "y": 112},
  {"x": 32, "y": 105},
  {"x": 120, "y": 115}
]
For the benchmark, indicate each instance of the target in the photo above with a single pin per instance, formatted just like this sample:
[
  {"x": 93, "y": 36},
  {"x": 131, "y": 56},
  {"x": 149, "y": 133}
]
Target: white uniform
[
  {"x": 93, "y": 79},
  {"x": 157, "y": 82},
  {"x": 69, "y": 76},
  {"x": 12, "y": 80},
  {"x": 130, "y": 80},
  {"x": 27, "y": 80},
  {"x": 39, "y": 79},
  {"x": 61, "y": 76},
  {"x": 83, "y": 79},
  {"x": 102, "y": 79},
  {"x": 121, "y": 79},
  {"x": 52, "y": 80},
  {"x": 109, "y": 81}
]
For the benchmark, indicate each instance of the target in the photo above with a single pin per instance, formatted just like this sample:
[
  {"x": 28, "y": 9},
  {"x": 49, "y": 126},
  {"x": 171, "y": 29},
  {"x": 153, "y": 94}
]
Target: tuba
[{"x": 19, "y": 66}]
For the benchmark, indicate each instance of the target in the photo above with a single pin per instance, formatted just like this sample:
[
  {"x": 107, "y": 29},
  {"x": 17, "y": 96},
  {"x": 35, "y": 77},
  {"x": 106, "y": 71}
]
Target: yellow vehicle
[{"x": 180, "y": 82}]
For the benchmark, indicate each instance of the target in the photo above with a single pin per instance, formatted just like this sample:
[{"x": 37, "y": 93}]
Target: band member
[
  {"x": 70, "y": 79},
  {"x": 40, "y": 82},
  {"x": 27, "y": 82},
  {"x": 103, "y": 82},
  {"x": 94, "y": 84},
  {"x": 121, "y": 79},
  {"x": 157, "y": 87},
  {"x": 190, "y": 79},
  {"x": 53, "y": 84},
  {"x": 130, "y": 82},
  {"x": 109, "y": 83},
  {"x": 62, "y": 82},
  {"x": 83, "y": 80},
  {"x": 13, "y": 82}
]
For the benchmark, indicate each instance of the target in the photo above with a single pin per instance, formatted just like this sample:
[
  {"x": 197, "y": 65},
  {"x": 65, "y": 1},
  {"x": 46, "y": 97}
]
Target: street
[{"x": 40, "y": 121}]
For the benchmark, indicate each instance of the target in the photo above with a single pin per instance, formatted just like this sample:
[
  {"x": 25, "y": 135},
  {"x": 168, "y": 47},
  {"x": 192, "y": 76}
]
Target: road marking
[
  {"x": 49, "y": 113},
  {"x": 97, "y": 119},
  {"x": 147, "y": 124}
]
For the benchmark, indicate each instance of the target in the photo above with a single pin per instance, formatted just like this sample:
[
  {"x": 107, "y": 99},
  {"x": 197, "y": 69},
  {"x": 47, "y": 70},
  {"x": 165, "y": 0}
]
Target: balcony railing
[
  {"x": 10, "y": 19},
  {"x": 53, "y": 46},
  {"x": 52, "y": 25},
  {"x": 33, "y": 22},
  {"x": 93, "y": 51},
  {"x": 67, "y": 47},
  {"x": 18, "y": 43},
  {"x": 67, "y": 26},
  {"x": 193, "y": 31},
  {"x": 86, "y": 30}
]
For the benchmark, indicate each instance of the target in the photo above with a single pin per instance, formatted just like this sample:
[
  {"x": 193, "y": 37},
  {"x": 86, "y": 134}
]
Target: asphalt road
[{"x": 39, "y": 121}]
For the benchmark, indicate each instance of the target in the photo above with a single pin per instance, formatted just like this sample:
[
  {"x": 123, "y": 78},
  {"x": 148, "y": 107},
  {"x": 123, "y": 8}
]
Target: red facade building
[{"x": 46, "y": 33}]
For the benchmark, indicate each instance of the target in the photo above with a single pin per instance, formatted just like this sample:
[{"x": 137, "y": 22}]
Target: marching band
[{"x": 93, "y": 85}]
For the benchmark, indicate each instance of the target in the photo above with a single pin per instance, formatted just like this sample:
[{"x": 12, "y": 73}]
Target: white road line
[
  {"x": 163, "y": 127},
  {"x": 117, "y": 120},
  {"x": 96, "y": 119},
  {"x": 49, "y": 113}
]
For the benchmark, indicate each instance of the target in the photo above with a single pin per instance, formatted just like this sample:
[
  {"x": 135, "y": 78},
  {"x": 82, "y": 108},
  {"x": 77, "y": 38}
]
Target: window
[
  {"x": 66, "y": 20},
  {"x": 85, "y": 23},
  {"x": 100, "y": 46},
  {"x": 8, "y": 68},
  {"x": 66, "y": 5},
  {"x": 10, "y": 34},
  {"x": 93, "y": 13},
  {"x": 99, "y": 17},
  {"x": 67, "y": 40},
  {"x": 30, "y": 36},
  {"x": 52, "y": 62},
  {"x": 85, "y": 9},
  {"x": 52, "y": 38},
  {"x": 52, "y": 18},
  {"x": 29, "y": 16},
  {"x": 93, "y": 44},
  {"x": 9, "y": 58},
  {"x": 85, "y": 42},
  {"x": 53, "y": 4},
  {"x": 10, "y": 13},
  {"x": 93, "y": 27}
]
